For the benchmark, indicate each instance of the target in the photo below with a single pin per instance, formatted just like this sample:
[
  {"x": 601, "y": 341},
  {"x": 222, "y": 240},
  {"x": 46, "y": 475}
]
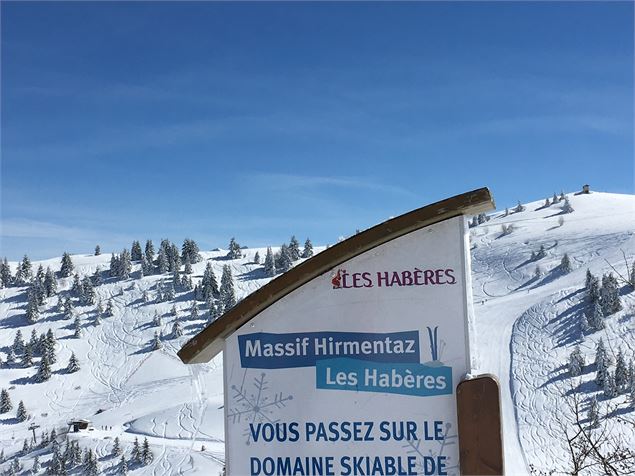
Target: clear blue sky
[{"x": 125, "y": 121}]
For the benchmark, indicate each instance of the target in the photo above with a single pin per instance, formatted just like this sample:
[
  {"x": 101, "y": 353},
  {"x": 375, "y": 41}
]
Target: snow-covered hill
[{"x": 527, "y": 326}]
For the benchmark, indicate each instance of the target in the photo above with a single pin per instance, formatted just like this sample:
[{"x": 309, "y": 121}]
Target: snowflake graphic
[
  {"x": 414, "y": 447},
  {"x": 256, "y": 406}
]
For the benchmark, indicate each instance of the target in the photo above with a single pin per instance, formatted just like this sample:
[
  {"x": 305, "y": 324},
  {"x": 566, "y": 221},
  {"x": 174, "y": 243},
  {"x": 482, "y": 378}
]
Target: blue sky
[{"x": 208, "y": 120}]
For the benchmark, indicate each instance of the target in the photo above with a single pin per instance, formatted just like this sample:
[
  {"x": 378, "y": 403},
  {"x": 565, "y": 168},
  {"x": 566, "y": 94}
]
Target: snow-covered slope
[{"x": 526, "y": 325}]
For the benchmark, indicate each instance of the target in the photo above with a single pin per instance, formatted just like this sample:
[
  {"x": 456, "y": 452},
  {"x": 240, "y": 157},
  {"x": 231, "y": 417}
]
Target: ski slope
[{"x": 526, "y": 328}]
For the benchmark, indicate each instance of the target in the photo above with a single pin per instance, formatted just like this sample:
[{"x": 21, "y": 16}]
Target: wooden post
[{"x": 480, "y": 429}]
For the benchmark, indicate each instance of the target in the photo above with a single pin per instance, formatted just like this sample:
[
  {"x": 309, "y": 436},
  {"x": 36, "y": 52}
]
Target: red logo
[{"x": 336, "y": 279}]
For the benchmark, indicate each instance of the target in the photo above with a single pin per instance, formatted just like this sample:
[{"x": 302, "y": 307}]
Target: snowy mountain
[{"x": 529, "y": 313}]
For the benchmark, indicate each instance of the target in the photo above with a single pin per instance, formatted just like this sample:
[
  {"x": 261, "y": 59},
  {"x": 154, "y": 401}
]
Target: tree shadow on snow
[
  {"x": 567, "y": 324},
  {"x": 258, "y": 273},
  {"x": 14, "y": 321},
  {"x": 9, "y": 421}
]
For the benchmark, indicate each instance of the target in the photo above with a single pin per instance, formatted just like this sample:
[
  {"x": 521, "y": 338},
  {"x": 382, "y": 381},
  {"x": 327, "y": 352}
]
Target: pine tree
[
  {"x": 44, "y": 370},
  {"x": 24, "y": 273},
  {"x": 308, "y": 249},
  {"x": 10, "y": 358},
  {"x": 188, "y": 267},
  {"x": 565, "y": 264},
  {"x": 194, "y": 311},
  {"x": 21, "y": 414},
  {"x": 136, "y": 451},
  {"x": 547, "y": 202},
  {"x": 209, "y": 285},
  {"x": 77, "y": 325},
  {"x": 33, "y": 342},
  {"x": 26, "y": 447},
  {"x": 50, "y": 283},
  {"x": 610, "y": 295},
  {"x": 50, "y": 343},
  {"x": 555, "y": 199},
  {"x": 566, "y": 207},
  {"x": 116, "y": 448},
  {"x": 88, "y": 292},
  {"x": 5, "y": 401},
  {"x": 537, "y": 271},
  {"x": 97, "y": 250},
  {"x": 601, "y": 363},
  {"x": 77, "y": 289},
  {"x": 18, "y": 343},
  {"x": 68, "y": 308},
  {"x": 227, "y": 293},
  {"x": 621, "y": 373},
  {"x": 270, "y": 266},
  {"x": 519, "y": 207},
  {"x": 135, "y": 251},
  {"x": 169, "y": 293},
  {"x": 593, "y": 414},
  {"x": 562, "y": 196},
  {"x": 176, "y": 329},
  {"x": 162, "y": 261},
  {"x": 294, "y": 249},
  {"x": 190, "y": 251},
  {"x": 156, "y": 342},
  {"x": 123, "y": 466},
  {"x": 156, "y": 321},
  {"x": 6, "y": 279},
  {"x": 73, "y": 364},
  {"x": 234, "y": 250},
  {"x": 257, "y": 258},
  {"x": 27, "y": 359},
  {"x": 67, "y": 267},
  {"x": 284, "y": 262},
  {"x": 610, "y": 389},
  {"x": 110, "y": 309},
  {"x": 36, "y": 468},
  {"x": 149, "y": 251},
  {"x": 125, "y": 264},
  {"x": 146, "y": 453},
  {"x": 595, "y": 316},
  {"x": 32, "y": 309},
  {"x": 576, "y": 362}
]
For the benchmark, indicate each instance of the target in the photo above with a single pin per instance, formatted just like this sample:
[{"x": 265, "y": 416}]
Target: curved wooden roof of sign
[{"x": 209, "y": 342}]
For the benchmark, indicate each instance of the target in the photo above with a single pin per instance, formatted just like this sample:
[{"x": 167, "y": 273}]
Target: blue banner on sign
[
  {"x": 363, "y": 376},
  {"x": 263, "y": 350}
]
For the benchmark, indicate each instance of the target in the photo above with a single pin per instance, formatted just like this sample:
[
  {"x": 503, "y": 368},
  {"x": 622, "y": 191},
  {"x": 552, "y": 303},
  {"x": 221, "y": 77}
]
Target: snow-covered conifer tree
[
  {"x": 593, "y": 414},
  {"x": 135, "y": 251},
  {"x": 190, "y": 251},
  {"x": 21, "y": 413},
  {"x": 32, "y": 309},
  {"x": 234, "y": 249},
  {"x": 66, "y": 269},
  {"x": 188, "y": 267},
  {"x": 169, "y": 293},
  {"x": 116, "y": 447},
  {"x": 18, "y": 343},
  {"x": 88, "y": 292},
  {"x": 565, "y": 264},
  {"x": 194, "y": 311},
  {"x": 36, "y": 468},
  {"x": 519, "y": 207},
  {"x": 610, "y": 295},
  {"x": 294, "y": 248},
  {"x": 5, "y": 401},
  {"x": 270, "y": 266},
  {"x": 621, "y": 373},
  {"x": 136, "y": 451},
  {"x": 156, "y": 342},
  {"x": 307, "y": 252},
  {"x": 123, "y": 466},
  {"x": 257, "y": 258},
  {"x": 610, "y": 389},
  {"x": 27, "y": 358},
  {"x": 110, "y": 309},
  {"x": 50, "y": 283},
  {"x": 97, "y": 250},
  {"x": 149, "y": 251},
  {"x": 547, "y": 202},
  {"x": 50, "y": 343},
  {"x": 6, "y": 278},
  {"x": 24, "y": 273},
  {"x": 156, "y": 320},
  {"x": 73, "y": 364},
  {"x": 555, "y": 198},
  {"x": 177, "y": 331},
  {"x": 44, "y": 370},
  {"x": 77, "y": 289},
  {"x": 284, "y": 262},
  {"x": 576, "y": 362},
  {"x": 227, "y": 292},
  {"x": 77, "y": 326},
  {"x": 146, "y": 453}
]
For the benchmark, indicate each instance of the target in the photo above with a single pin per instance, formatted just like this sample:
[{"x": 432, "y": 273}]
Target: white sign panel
[{"x": 354, "y": 373}]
